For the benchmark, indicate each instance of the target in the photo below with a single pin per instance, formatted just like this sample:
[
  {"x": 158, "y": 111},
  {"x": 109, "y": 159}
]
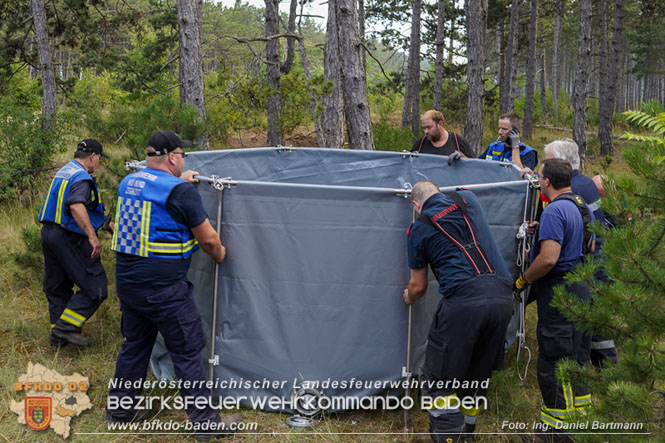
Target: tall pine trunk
[
  {"x": 530, "y": 71},
  {"x": 411, "y": 107},
  {"x": 555, "y": 78},
  {"x": 507, "y": 88},
  {"x": 190, "y": 70},
  {"x": 46, "y": 63},
  {"x": 440, "y": 41},
  {"x": 607, "y": 101},
  {"x": 274, "y": 104},
  {"x": 332, "y": 118},
  {"x": 354, "y": 83},
  {"x": 581, "y": 76},
  {"x": 543, "y": 87},
  {"x": 476, "y": 22}
]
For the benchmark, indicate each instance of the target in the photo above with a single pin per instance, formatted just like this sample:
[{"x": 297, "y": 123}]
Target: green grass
[{"x": 24, "y": 335}]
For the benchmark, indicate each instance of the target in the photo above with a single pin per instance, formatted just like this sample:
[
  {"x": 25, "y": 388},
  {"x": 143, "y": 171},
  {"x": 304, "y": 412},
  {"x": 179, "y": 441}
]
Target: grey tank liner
[{"x": 311, "y": 289}]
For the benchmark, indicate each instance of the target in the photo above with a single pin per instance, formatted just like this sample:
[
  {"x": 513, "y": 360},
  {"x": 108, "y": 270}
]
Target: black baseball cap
[
  {"x": 91, "y": 145},
  {"x": 166, "y": 141}
]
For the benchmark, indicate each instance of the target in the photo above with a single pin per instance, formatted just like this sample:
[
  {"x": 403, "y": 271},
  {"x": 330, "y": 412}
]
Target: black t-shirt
[
  {"x": 185, "y": 206},
  {"x": 447, "y": 149}
]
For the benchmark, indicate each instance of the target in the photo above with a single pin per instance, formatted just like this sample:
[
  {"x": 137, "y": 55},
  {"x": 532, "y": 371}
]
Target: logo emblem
[{"x": 38, "y": 412}]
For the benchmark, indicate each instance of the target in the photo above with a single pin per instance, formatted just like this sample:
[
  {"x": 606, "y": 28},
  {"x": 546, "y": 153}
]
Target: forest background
[{"x": 242, "y": 76}]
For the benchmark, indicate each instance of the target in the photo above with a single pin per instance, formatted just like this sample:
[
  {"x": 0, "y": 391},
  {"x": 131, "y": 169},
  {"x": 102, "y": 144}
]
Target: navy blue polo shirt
[
  {"x": 426, "y": 244},
  {"x": 561, "y": 221},
  {"x": 185, "y": 206}
]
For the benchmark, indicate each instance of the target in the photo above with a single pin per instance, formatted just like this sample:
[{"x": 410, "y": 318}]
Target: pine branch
[
  {"x": 380, "y": 66},
  {"x": 639, "y": 266}
]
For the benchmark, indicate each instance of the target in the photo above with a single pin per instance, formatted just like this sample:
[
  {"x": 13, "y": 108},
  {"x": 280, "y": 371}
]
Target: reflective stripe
[
  {"x": 583, "y": 399},
  {"x": 445, "y": 402},
  {"x": 595, "y": 206},
  {"x": 471, "y": 412},
  {"x": 605, "y": 344},
  {"x": 48, "y": 197},
  {"x": 171, "y": 247},
  {"x": 72, "y": 317},
  {"x": 550, "y": 420},
  {"x": 114, "y": 242},
  {"x": 145, "y": 215},
  {"x": 58, "y": 209},
  {"x": 52, "y": 325}
]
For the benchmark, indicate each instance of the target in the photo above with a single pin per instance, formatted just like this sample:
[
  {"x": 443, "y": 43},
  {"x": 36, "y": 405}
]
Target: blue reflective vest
[
  {"x": 143, "y": 225},
  {"x": 497, "y": 151},
  {"x": 53, "y": 209}
]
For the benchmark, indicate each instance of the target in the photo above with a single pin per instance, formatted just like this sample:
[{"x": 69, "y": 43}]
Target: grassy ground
[{"x": 24, "y": 338}]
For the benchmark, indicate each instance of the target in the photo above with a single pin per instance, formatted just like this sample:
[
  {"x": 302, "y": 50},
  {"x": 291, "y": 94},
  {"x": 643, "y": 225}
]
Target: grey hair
[
  {"x": 565, "y": 149},
  {"x": 424, "y": 190}
]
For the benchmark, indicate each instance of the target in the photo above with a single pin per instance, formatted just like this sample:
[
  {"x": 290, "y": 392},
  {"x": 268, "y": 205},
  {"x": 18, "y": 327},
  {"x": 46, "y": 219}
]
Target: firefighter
[
  {"x": 559, "y": 248},
  {"x": 71, "y": 214},
  {"x": 467, "y": 333},
  {"x": 508, "y": 148},
  {"x": 161, "y": 222}
]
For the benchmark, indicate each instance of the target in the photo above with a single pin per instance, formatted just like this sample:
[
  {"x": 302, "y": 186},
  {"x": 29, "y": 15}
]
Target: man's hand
[
  {"x": 531, "y": 227},
  {"x": 189, "y": 176},
  {"x": 513, "y": 138},
  {"x": 407, "y": 300},
  {"x": 525, "y": 171},
  {"x": 520, "y": 286},
  {"x": 96, "y": 246}
]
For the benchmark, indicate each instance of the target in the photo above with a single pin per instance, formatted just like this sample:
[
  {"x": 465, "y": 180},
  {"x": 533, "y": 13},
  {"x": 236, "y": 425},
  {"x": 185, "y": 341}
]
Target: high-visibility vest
[
  {"x": 497, "y": 151},
  {"x": 143, "y": 226},
  {"x": 53, "y": 209}
]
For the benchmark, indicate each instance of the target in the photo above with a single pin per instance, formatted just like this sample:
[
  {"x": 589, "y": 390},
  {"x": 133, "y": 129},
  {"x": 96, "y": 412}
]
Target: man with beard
[{"x": 438, "y": 140}]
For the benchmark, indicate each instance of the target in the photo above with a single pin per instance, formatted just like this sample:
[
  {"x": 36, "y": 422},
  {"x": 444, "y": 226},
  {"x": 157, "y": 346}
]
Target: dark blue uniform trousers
[
  {"x": 558, "y": 339},
  {"x": 67, "y": 262},
  {"x": 465, "y": 343},
  {"x": 170, "y": 310}
]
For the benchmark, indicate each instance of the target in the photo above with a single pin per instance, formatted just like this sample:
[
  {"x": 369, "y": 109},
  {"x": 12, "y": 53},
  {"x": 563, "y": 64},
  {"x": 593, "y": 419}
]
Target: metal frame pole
[
  {"x": 214, "y": 360},
  {"x": 408, "y": 351}
]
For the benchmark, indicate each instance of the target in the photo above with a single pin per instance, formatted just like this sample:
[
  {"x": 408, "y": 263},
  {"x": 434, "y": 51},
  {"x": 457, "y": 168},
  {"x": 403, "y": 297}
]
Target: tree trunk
[
  {"x": 190, "y": 70},
  {"x": 332, "y": 118},
  {"x": 46, "y": 63},
  {"x": 543, "y": 88},
  {"x": 274, "y": 105},
  {"x": 511, "y": 58},
  {"x": 412, "y": 90},
  {"x": 285, "y": 68},
  {"x": 530, "y": 71},
  {"x": 476, "y": 22},
  {"x": 499, "y": 56},
  {"x": 581, "y": 76},
  {"x": 556, "y": 48},
  {"x": 361, "y": 26},
  {"x": 308, "y": 84},
  {"x": 354, "y": 83},
  {"x": 607, "y": 100},
  {"x": 438, "y": 66}
]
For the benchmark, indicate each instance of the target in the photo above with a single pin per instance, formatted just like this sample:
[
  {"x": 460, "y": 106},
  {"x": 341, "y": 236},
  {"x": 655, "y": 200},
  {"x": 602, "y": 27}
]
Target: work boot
[
  {"x": 226, "y": 427},
  {"x": 75, "y": 338},
  {"x": 469, "y": 428},
  {"x": 57, "y": 343},
  {"x": 445, "y": 435}
]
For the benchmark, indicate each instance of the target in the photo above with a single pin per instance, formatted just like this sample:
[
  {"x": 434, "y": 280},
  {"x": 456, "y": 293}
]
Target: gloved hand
[
  {"x": 454, "y": 156},
  {"x": 520, "y": 286},
  {"x": 513, "y": 138}
]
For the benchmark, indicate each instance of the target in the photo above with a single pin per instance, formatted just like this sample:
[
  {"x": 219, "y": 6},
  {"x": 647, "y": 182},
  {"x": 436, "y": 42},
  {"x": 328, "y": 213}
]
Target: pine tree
[{"x": 630, "y": 307}]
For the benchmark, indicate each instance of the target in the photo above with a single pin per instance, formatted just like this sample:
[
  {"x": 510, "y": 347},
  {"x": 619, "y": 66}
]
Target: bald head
[
  {"x": 598, "y": 181},
  {"x": 422, "y": 191}
]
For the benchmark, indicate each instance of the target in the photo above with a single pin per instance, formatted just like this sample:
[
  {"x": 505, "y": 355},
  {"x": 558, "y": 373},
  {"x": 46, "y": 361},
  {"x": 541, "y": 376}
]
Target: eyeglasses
[{"x": 183, "y": 153}]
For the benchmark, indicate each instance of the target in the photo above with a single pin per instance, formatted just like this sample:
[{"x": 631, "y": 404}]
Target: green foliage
[
  {"x": 26, "y": 150},
  {"x": 30, "y": 259},
  {"x": 649, "y": 120},
  {"x": 390, "y": 138},
  {"x": 163, "y": 112},
  {"x": 630, "y": 308}
]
